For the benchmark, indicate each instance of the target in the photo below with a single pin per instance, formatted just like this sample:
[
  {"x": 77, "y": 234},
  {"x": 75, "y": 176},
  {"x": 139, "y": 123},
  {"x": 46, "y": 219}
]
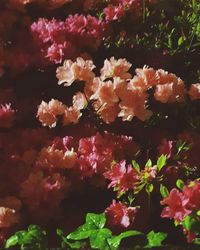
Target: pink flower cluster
[
  {"x": 120, "y": 216},
  {"x": 49, "y": 113},
  {"x": 116, "y": 93},
  {"x": 40, "y": 170},
  {"x": 122, "y": 177},
  {"x": 180, "y": 204},
  {"x": 117, "y": 9},
  {"x": 59, "y": 40}
]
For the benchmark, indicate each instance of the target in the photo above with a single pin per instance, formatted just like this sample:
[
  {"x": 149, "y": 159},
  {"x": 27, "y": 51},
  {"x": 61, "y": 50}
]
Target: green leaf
[
  {"x": 180, "y": 184},
  {"x": 181, "y": 40},
  {"x": 161, "y": 162},
  {"x": 155, "y": 239},
  {"x": 196, "y": 241},
  {"x": 93, "y": 222},
  {"x": 164, "y": 191},
  {"x": 149, "y": 188},
  {"x": 136, "y": 166},
  {"x": 96, "y": 220},
  {"x": 34, "y": 237},
  {"x": 98, "y": 239},
  {"x": 12, "y": 241},
  {"x": 115, "y": 241},
  {"x": 74, "y": 245},
  {"x": 148, "y": 164},
  {"x": 191, "y": 224},
  {"x": 81, "y": 233}
]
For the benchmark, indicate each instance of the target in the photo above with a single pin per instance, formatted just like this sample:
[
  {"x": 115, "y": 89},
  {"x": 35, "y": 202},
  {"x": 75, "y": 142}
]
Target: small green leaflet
[
  {"x": 155, "y": 239},
  {"x": 163, "y": 191},
  {"x": 161, "y": 162}
]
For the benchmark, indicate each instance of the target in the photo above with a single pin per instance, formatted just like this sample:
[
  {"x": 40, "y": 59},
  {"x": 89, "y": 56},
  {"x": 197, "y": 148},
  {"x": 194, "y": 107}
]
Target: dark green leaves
[
  {"x": 34, "y": 238},
  {"x": 93, "y": 230}
]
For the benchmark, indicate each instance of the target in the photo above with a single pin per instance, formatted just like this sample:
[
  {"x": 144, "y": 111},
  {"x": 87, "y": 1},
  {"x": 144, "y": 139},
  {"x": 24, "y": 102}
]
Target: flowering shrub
[{"x": 87, "y": 126}]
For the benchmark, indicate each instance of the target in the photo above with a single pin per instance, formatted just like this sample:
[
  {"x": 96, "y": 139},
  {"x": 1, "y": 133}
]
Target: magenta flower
[
  {"x": 176, "y": 206},
  {"x": 119, "y": 215},
  {"x": 122, "y": 177}
]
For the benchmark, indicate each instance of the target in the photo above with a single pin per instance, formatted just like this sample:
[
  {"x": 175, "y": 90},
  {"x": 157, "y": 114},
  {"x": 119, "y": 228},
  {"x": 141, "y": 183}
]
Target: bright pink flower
[
  {"x": 119, "y": 215},
  {"x": 60, "y": 40},
  {"x": 122, "y": 177},
  {"x": 6, "y": 116},
  {"x": 176, "y": 206},
  {"x": 94, "y": 155},
  {"x": 192, "y": 192}
]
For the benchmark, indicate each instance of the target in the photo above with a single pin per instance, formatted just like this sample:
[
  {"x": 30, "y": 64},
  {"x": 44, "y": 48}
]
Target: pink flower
[
  {"x": 58, "y": 40},
  {"x": 115, "y": 68},
  {"x": 38, "y": 190},
  {"x": 122, "y": 177},
  {"x": 119, "y": 215},
  {"x": 6, "y": 116},
  {"x": 113, "y": 12},
  {"x": 79, "y": 101},
  {"x": 133, "y": 103},
  {"x": 192, "y": 192},
  {"x": 169, "y": 88},
  {"x": 81, "y": 70},
  {"x": 176, "y": 206},
  {"x": 105, "y": 93},
  {"x": 47, "y": 112},
  {"x": 95, "y": 156},
  {"x": 108, "y": 113},
  {"x": 148, "y": 75},
  {"x": 71, "y": 116},
  {"x": 57, "y": 159},
  {"x": 194, "y": 91},
  {"x": 85, "y": 30}
]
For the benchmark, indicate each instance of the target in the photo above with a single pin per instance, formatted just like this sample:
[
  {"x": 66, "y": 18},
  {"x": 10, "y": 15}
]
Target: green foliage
[
  {"x": 94, "y": 230},
  {"x": 34, "y": 238},
  {"x": 191, "y": 224},
  {"x": 163, "y": 191},
  {"x": 155, "y": 239},
  {"x": 161, "y": 162},
  {"x": 180, "y": 184}
]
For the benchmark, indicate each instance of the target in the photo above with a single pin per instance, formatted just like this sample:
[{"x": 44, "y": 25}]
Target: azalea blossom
[
  {"x": 81, "y": 70},
  {"x": 122, "y": 177},
  {"x": 176, "y": 206},
  {"x": 118, "y": 215},
  {"x": 115, "y": 68},
  {"x": 48, "y": 112}
]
